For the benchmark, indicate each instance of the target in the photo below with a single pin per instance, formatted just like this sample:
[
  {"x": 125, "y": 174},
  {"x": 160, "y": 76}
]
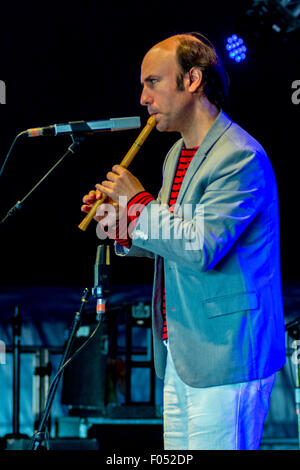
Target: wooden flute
[{"x": 124, "y": 163}]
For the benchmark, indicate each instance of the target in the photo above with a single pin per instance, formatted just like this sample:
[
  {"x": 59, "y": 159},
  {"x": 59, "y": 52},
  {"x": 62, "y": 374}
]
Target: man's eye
[{"x": 154, "y": 80}]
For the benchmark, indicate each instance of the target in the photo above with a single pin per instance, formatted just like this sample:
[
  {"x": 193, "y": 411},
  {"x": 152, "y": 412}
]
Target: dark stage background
[{"x": 80, "y": 60}]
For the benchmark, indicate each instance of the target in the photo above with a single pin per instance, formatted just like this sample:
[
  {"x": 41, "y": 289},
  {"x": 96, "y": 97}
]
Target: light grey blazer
[{"x": 219, "y": 256}]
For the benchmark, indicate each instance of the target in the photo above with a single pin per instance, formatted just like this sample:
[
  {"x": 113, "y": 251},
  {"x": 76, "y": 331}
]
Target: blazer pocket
[{"x": 227, "y": 304}]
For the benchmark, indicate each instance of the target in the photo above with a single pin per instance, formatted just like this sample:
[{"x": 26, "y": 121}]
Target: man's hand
[
  {"x": 120, "y": 183},
  {"x": 90, "y": 199},
  {"x": 108, "y": 213},
  {"x": 120, "y": 187}
]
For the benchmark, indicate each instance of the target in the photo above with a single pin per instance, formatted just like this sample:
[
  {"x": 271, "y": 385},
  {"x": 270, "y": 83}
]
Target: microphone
[
  {"x": 85, "y": 127},
  {"x": 101, "y": 278}
]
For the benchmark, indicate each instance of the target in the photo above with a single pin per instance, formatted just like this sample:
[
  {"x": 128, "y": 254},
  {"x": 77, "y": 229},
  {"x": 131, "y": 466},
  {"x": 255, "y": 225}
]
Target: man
[{"x": 213, "y": 231}]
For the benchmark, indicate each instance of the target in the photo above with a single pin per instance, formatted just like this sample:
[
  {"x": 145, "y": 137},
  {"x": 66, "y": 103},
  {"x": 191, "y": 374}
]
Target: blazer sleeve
[{"x": 199, "y": 235}]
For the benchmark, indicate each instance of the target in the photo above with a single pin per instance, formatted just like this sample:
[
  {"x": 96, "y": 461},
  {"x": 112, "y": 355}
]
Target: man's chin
[{"x": 161, "y": 126}]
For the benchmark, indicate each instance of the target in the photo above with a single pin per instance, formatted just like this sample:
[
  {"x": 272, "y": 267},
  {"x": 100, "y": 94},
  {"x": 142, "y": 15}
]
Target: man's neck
[{"x": 203, "y": 119}]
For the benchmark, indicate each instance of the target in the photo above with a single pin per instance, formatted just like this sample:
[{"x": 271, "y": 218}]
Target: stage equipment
[
  {"x": 101, "y": 278},
  {"x": 236, "y": 48},
  {"x": 78, "y": 130},
  {"x": 114, "y": 378},
  {"x": 16, "y": 322},
  {"x": 41, "y": 381},
  {"x": 84, "y": 381},
  {"x": 265, "y": 22},
  {"x": 85, "y": 127},
  {"x": 40, "y": 435},
  {"x": 100, "y": 291},
  {"x": 73, "y": 148},
  {"x": 124, "y": 163}
]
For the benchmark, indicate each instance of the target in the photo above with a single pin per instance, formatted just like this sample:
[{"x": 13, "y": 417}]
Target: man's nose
[{"x": 146, "y": 99}]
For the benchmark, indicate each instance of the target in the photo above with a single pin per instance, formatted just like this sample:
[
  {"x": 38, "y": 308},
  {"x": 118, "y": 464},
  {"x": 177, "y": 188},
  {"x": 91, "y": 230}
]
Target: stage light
[
  {"x": 236, "y": 48},
  {"x": 265, "y": 22}
]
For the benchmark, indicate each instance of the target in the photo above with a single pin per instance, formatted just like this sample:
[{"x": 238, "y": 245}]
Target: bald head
[
  {"x": 170, "y": 44},
  {"x": 168, "y": 47}
]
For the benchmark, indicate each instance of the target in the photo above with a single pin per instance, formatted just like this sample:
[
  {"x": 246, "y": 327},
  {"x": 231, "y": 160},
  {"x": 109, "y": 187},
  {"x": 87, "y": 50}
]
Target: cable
[
  {"x": 53, "y": 383},
  {"x": 9, "y": 152},
  {"x": 77, "y": 352}
]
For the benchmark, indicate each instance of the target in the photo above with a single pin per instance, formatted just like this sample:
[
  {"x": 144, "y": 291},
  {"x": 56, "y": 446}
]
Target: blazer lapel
[
  {"x": 218, "y": 128},
  {"x": 221, "y": 124}
]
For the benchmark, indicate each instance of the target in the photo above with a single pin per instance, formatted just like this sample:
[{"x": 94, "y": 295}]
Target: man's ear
[{"x": 195, "y": 77}]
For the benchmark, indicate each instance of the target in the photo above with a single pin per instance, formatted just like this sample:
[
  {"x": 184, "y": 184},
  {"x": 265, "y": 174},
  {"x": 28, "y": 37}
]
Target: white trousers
[{"x": 227, "y": 417}]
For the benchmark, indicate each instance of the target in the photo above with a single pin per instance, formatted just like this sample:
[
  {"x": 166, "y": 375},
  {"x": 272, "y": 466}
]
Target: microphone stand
[
  {"x": 39, "y": 435},
  {"x": 101, "y": 287},
  {"x": 16, "y": 322},
  {"x": 99, "y": 292},
  {"x": 73, "y": 148}
]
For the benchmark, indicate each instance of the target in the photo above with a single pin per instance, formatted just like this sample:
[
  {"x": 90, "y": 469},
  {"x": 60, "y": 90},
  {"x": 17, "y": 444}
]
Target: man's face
[{"x": 160, "y": 93}]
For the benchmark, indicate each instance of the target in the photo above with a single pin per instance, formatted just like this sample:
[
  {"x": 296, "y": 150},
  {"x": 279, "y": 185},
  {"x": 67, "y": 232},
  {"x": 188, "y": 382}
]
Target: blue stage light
[{"x": 236, "y": 48}]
